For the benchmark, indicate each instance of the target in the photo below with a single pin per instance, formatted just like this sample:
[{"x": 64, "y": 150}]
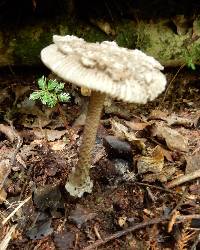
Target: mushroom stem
[{"x": 79, "y": 180}]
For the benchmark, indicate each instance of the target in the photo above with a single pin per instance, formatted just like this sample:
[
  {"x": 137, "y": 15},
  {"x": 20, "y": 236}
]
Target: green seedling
[{"x": 50, "y": 93}]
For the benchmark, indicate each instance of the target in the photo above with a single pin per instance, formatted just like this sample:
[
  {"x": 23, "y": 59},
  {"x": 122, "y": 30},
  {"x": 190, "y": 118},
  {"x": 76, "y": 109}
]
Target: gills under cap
[{"x": 128, "y": 75}]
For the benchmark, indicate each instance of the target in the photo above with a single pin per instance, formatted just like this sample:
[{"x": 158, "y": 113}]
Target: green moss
[
  {"x": 87, "y": 32},
  {"x": 28, "y": 44},
  {"x": 22, "y": 46},
  {"x": 126, "y": 34}
]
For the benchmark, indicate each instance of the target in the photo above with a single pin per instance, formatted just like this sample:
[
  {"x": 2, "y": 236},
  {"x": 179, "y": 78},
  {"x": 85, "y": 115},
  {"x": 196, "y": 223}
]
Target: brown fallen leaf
[
  {"x": 122, "y": 132},
  {"x": 3, "y": 195},
  {"x": 193, "y": 162},
  {"x": 57, "y": 145},
  {"x": 64, "y": 240},
  {"x": 81, "y": 215},
  {"x": 158, "y": 115},
  {"x": 118, "y": 129},
  {"x": 173, "y": 139},
  {"x": 167, "y": 154},
  {"x": 173, "y": 119},
  {"x": 5, "y": 168},
  {"x": 19, "y": 91},
  {"x": 152, "y": 163},
  {"x": 165, "y": 175},
  {"x": 136, "y": 125},
  {"x": 138, "y": 143},
  {"x": 8, "y": 131},
  {"x": 49, "y": 134}
]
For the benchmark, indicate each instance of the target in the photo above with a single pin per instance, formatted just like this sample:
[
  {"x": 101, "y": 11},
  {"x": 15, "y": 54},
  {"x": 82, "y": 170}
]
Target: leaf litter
[{"x": 163, "y": 149}]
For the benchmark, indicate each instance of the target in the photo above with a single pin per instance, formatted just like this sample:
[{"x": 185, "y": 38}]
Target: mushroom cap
[{"x": 128, "y": 75}]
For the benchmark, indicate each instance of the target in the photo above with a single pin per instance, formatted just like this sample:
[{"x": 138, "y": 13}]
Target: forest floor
[{"x": 145, "y": 168}]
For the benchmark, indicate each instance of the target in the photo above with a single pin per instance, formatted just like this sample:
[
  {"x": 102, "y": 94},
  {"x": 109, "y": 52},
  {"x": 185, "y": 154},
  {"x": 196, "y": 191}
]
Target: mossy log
[{"x": 22, "y": 45}]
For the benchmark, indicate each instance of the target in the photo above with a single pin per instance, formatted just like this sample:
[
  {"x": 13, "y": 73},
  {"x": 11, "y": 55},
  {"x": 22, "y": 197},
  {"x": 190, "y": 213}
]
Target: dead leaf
[
  {"x": 118, "y": 129},
  {"x": 40, "y": 230},
  {"x": 64, "y": 240},
  {"x": 5, "y": 168},
  {"x": 136, "y": 142},
  {"x": 193, "y": 162},
  {"x": 7, "y": 131},
  {"x": 165, "y": 175},
  {"x": 3, "y": 195},
  {"x": 81, "y": 215},
  {"x": 173, "y": 139},
  {"x": 167, "y": 154},
  {"x": 28, "y": 150},
  {"x": 122, "y": 132},
  {"x": 136, "y": 125},
  {"x": 152, "y": 163},
  {"x": 49, "y": 134},
  {"x": 176, "y": 120},
  {"x": 58, "y": 145},
  {"x": 19, "y": 91},
  {"x": 158, "y": 115}
]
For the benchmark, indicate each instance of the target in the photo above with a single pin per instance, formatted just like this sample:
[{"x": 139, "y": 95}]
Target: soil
[{"x": 132, "y": 209}]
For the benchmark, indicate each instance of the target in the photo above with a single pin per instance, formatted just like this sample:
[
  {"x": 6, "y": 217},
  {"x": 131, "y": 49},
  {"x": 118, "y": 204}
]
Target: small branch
[
  {"x": 164, "y": 219},
  {"x": 14, "y": 211},
  {"x": 157, "y": 187},
  {"x": 169, "y": 85},
  {"x": 4, "y": 243},
  {"x": 175, "y": 212},
  {"x": 196, "y": 242},
  {"x": 183, "y": 179},
  {"x": 126, "y": 231}
]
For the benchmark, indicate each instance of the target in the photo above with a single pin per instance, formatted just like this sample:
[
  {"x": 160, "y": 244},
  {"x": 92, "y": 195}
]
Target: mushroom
[{"x": 107, "y": 69}]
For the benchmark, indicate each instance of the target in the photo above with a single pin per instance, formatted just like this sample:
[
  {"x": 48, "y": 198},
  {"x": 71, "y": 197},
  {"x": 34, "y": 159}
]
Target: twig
[
  {"x": 14, "y": 211},
  {"x": 121, "y": 233},
  {"x": 184, "y": 178},
  {"x": 4, "y": 243},
  {"x": 126, "y": 231},
  {"x": 196, "y": 242},
  {"x": 97, "y": 232},
  {"x": 156, "y": 187},
  {"x": 182, "y": 218},
  {"x": 184, "y": 237},
  {"x": 172, "y": 221},
  {"x": 169, "y": 85},
  {"x": 25, "y": 182},
  {"x": 174, "y": 213}
]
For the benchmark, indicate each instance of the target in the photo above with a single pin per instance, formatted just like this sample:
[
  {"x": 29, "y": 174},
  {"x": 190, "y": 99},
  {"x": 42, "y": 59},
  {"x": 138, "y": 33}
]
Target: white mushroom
[{"x": 107, "y": 69}]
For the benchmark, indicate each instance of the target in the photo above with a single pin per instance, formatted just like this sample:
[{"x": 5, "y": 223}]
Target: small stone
[{"x": 117, "y": 148}]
